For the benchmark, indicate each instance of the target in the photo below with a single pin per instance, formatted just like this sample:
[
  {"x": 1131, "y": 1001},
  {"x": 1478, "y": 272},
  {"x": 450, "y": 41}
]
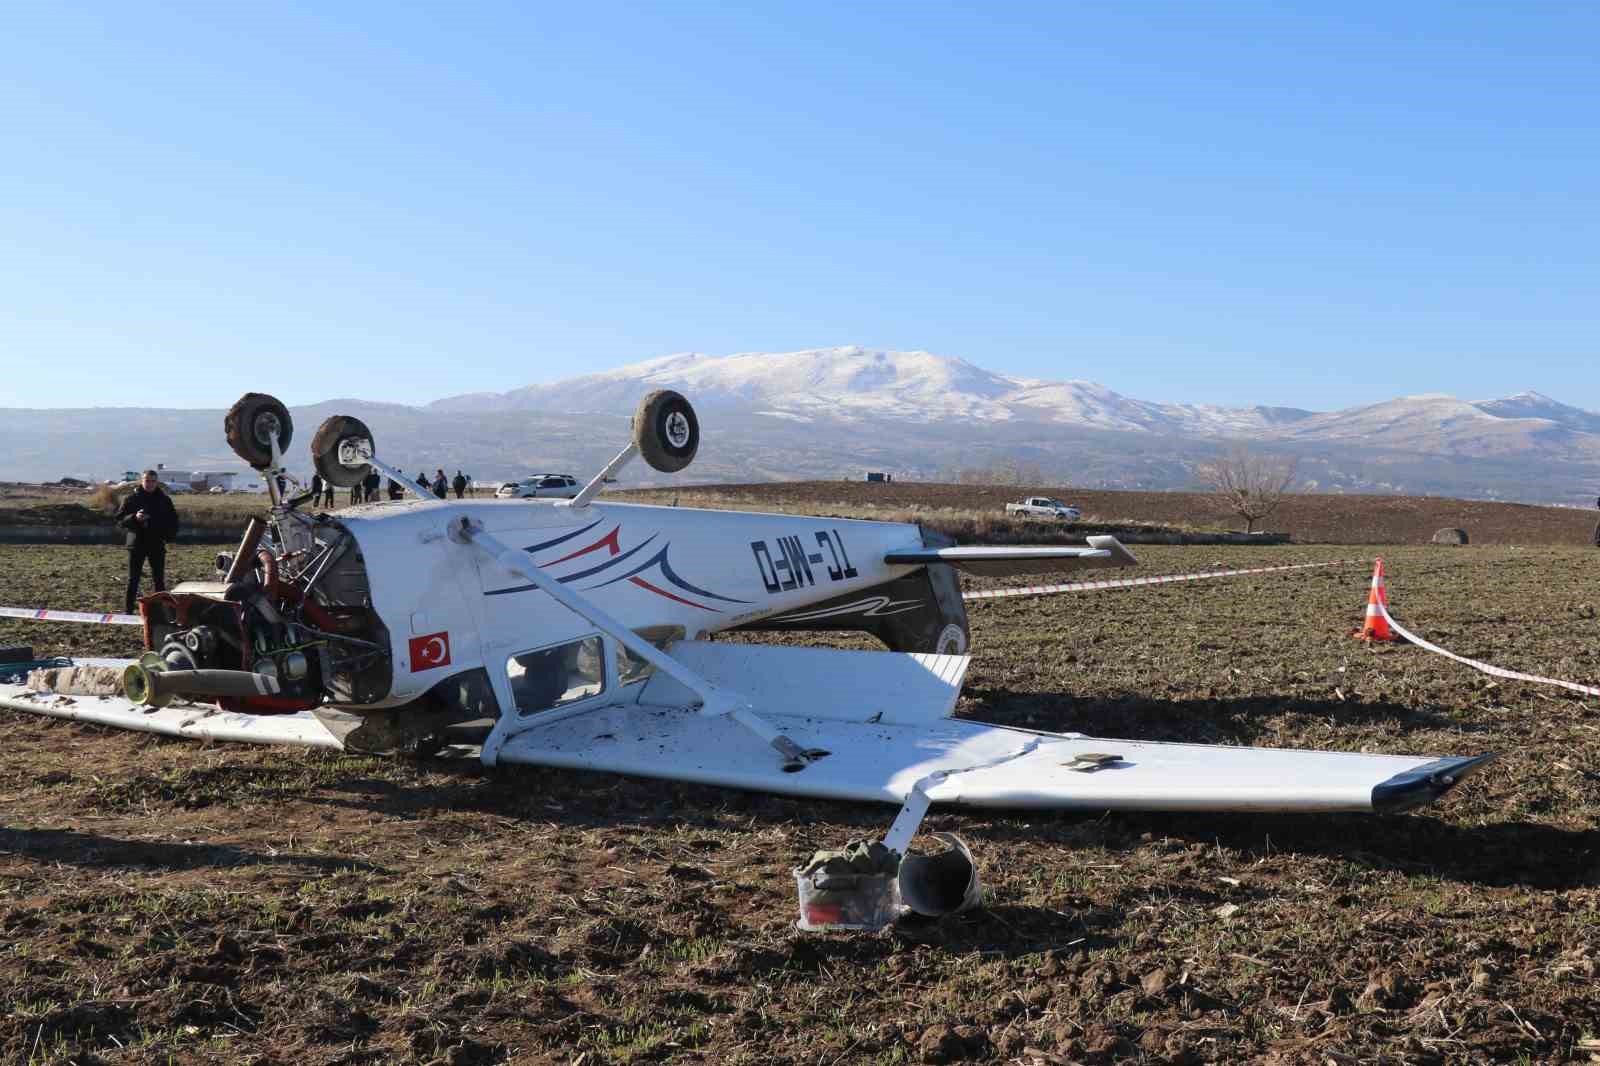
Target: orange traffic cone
[{"x": 1376, "y": 626}]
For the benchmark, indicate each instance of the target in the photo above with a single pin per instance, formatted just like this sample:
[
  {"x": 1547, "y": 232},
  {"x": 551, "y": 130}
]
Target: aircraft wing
[
  {"x": 1103, "y": 551},
  {"x": 196, "y": 721},
  {"x": 987, "y": 766},
  {"x": 33, "y": 614},
  {"x": 882, "y": 718}
]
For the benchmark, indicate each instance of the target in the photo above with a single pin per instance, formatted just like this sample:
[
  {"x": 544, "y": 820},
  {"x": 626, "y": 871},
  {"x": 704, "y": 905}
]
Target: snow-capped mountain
[
  {"x": 829, "y": 381},
  {"x": 828, "y": 412},
  {"x": 1535, "y": 405},
  {"x": 853, "y": 383}
]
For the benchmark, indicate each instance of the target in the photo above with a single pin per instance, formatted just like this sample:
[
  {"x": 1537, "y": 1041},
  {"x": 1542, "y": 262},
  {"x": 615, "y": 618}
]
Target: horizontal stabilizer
[{"x": 1103, "y": 551}]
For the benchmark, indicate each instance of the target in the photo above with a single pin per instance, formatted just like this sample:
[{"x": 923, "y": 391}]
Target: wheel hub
[{"x": 677, "y": 429}]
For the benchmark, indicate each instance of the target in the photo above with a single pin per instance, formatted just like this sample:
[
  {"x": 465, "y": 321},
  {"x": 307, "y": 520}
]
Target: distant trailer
[{"x": 879, "y": 475}]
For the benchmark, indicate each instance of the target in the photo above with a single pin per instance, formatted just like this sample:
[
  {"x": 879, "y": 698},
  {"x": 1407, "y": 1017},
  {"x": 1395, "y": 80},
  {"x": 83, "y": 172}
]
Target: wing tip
[
  {"x": 1420, "y": 786},
  {"x": 1118, "y": 550}
]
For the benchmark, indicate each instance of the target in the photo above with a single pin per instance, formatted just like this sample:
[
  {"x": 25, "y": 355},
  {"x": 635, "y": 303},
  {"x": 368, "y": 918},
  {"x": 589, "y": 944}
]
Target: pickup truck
[{"x": 1044, "y": 507}]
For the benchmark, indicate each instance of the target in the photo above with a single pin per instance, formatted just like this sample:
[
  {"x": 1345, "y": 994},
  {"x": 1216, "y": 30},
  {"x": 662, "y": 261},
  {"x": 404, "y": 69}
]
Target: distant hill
[{"x": 835, "y": 412}]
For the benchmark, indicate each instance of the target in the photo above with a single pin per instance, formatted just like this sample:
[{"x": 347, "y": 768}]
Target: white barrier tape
[
  {"x": 1135, "y": 582},
  {"x": 71, "y": 616},
  {"x": 1495, "y": 671}
]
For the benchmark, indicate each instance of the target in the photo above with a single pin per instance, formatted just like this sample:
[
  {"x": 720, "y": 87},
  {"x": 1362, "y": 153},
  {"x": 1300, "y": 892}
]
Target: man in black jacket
[{"x": 151, "y": 523}]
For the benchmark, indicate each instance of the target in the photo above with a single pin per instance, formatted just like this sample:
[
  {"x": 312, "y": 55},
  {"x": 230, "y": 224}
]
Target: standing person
[
  {"x": 152, "y": 523},
  {"x": 356, "y": 492},
  {"x": 440, "y": 486},
  {"x": 372, "y": 482},
  {"x": 459, "y": 484},
  {"x": 395, "y": 491},
  {"x": 327, "y": 495},
  {"x": 422, "y": 480},
  {"x": 316, "y": 489},
  {"x": 472, "y": 487}
]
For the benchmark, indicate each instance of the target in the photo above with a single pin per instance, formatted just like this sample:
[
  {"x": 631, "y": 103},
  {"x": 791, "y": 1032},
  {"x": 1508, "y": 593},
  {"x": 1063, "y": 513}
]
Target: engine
[{"x": 290, "y": 617}]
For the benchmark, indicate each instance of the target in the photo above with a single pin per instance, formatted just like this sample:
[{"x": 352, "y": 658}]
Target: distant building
[
  {"x": 206, "y": 480},
  {"x": 189, "y": 480},
  {"x": 879, "y": 475}
]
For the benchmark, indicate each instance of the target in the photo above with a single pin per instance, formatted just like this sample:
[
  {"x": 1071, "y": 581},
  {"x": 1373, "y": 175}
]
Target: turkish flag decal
[{"x": 430, "y": 651}]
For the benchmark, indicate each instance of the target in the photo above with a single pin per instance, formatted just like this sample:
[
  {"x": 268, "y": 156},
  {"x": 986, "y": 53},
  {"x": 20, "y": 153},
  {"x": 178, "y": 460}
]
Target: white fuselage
[{"x": 448, "y": 608}]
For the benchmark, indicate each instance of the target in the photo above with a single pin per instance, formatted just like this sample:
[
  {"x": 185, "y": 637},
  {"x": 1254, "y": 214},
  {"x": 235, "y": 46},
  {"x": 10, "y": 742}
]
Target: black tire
[
  {"x": 250, "y": 425},
  {"x": 666, "y": 431},
  {"x": 341, "y": 433}
]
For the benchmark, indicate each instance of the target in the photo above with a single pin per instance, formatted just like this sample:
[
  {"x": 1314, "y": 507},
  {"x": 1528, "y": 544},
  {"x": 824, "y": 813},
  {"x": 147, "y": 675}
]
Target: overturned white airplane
[{"x": 578, "y": 634}]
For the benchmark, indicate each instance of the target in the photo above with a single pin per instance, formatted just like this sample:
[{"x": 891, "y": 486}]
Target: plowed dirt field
[
  {"x": 166, "y": 902},
  {"x": 1308, "y": 518}
]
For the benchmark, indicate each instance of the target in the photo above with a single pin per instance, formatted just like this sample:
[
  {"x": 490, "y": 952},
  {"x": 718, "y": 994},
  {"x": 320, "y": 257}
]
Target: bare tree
[{"x": 1250, "y": 484}]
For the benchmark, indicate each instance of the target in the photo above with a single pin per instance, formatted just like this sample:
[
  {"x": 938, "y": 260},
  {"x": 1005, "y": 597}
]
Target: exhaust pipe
[
  {"x": 150, "y": 683},
  {"x": 245, "y": 558}
]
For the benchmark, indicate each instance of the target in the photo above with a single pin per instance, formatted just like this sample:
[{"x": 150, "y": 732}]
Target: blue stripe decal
[
  {"x": 574, "y": 577},
  {"x": 563, "y": 539},
  {"x": 669, "y": 574}
]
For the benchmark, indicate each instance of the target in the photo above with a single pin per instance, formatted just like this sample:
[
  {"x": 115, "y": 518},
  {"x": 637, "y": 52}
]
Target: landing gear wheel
[
  {"x": 340, "y": 451},
  {"x": 251, "y": 424},
  {"x": 666, "y": 431}
]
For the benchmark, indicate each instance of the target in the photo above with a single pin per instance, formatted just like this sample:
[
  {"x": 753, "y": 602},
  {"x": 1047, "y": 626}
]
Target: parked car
[
  {"x": 540, "y": 486},
  {"x": 1044, "y": 507}
]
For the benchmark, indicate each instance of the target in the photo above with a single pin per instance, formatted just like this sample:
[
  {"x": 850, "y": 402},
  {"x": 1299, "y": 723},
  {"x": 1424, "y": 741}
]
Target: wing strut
[{"x": 716, "y": 702}]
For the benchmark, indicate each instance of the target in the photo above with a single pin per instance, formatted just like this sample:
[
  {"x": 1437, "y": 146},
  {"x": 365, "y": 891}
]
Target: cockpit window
[
  {"x": 631, "y": 668},
  {"x": 553, "y": 677}
]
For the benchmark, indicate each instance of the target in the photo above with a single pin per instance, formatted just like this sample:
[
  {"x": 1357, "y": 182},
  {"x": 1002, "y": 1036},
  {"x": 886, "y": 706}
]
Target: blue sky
[{"x": 1310, "y": 205}]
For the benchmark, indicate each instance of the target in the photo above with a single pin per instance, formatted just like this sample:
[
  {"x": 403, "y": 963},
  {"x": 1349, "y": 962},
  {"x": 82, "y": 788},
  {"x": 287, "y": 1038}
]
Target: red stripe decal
[
  {"x": 607, "y": 541},
  {"x": 642, "y": 583}
]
